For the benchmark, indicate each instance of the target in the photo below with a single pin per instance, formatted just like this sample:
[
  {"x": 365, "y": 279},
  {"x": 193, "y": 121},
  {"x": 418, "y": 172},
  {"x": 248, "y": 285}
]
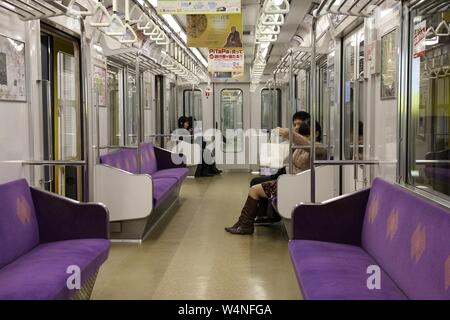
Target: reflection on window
[
  {"x": 429, "y": 147},
  {"x": 232, "y": 115},
  {"x": 193, "y": 104},
  {"x": 270, "y": 109},
  {"x": 114, "y": 106},
  {"x": 131, "y": 112}
]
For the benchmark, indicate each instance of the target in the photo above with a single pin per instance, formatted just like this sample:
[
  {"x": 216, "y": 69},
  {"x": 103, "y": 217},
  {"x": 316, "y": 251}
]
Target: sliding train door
[
  {"x": 60, "y": 58},
  {"x": 232, "y": 118}
]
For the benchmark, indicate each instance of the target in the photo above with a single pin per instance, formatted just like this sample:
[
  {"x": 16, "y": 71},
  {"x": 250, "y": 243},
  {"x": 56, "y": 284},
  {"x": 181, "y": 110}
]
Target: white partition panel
[
  {"x": 127, "y": 196},
  {"x": 294, "y": 189}
]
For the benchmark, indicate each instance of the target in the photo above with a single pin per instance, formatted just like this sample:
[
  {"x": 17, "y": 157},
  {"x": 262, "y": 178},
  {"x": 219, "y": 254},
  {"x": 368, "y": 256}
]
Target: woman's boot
[{"x": 246, "y": 219}]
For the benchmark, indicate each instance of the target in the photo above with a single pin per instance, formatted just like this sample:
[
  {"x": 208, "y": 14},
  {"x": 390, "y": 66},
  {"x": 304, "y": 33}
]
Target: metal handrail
[
  {"x": 432, "y": 161},
  {"x": 352, "y": 162},
  {"x": 48, "y": 162},
  {"x": 115, "y": 147}
]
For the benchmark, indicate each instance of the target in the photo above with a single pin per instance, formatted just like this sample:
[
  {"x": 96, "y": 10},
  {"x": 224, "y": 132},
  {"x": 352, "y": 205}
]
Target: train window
[
  {"x": 192, "y": 104},
  {"x": 115, "y": 114},
  {"x": 323, "y": 112},
  {"x": 131, "y": 111},
  {"x": 270, "y": 108},
  {"x": 171, "y": 109},
  {"x": 303, "y": 79},
  {"x": 353, "y": 95},
  {"x": 232, "y": 119},
  {"x": 429, "y": 129}
]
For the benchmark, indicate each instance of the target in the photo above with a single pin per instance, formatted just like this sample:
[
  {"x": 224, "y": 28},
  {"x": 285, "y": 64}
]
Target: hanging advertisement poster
[
  {"x": 420, "y": 32},
  {"x": 214, "y": 31},
  {"x": 198, "y": 6},
  {"x": 226, "y": 60}
]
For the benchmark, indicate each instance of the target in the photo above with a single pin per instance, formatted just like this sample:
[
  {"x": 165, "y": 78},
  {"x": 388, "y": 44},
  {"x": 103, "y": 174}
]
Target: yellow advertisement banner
[
  {"x": 198, "y": 6},
  {"x": 214, "y": 31}
]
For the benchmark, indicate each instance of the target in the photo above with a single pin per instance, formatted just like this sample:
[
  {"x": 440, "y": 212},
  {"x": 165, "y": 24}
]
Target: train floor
[{"x": 190, "y": 256}]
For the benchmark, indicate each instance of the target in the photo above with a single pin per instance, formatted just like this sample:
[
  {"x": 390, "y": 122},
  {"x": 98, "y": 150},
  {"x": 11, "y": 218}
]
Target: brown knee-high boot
[{"x": 246, "y": 219}]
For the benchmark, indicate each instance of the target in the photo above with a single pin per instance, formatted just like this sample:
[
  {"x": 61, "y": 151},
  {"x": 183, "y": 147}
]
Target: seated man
[{"x": 266, "y": 190}]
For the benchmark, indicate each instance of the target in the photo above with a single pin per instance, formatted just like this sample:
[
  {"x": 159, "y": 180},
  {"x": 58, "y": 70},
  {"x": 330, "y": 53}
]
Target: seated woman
[{"x": 266, "y": 190}]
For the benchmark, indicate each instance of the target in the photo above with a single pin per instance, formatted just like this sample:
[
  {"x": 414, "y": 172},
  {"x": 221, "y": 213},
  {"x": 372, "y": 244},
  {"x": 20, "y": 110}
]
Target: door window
[{"x": 232, "y": 115}]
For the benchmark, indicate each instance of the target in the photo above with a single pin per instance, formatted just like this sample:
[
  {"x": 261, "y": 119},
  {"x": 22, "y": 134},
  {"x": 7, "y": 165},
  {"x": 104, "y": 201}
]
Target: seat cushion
[
  {"x": 42, "y": 273},
  {"x": 162, "y": 188},
  {"x": 19, "y": 232},
  {"x": 337, "y": 271},
  {"x": 179, "y": 173},
  {"x": 409, "y": 237},
  {"x": 148, "y": 158}
]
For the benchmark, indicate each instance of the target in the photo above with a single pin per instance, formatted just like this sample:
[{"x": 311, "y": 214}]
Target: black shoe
[
  {"x": 266, "y": 220},
  {"x": 215, "y": 171},
  {"x": 207, "y": 174}
]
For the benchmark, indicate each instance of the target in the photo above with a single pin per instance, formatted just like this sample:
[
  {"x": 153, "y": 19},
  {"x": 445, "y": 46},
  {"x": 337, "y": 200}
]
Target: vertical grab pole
[
  {"x": 140, "y": 111},
  {"x": 313, "y": 78},
  {"x": 97, "y": 123},
  {"x": 85, "y": 107},
  {"x": 292, "y": 102}
]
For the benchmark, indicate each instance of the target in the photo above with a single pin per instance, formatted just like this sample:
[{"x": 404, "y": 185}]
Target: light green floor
[{"x": 190, "y": 256}]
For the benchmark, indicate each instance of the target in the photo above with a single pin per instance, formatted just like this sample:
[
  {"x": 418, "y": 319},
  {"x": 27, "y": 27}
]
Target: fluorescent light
[
  {"x": 9, "y": 6},
  {"x": 183, "y": 36},
  {"x": 172, "y": 23},
  {"x": 200, "y": 57}
]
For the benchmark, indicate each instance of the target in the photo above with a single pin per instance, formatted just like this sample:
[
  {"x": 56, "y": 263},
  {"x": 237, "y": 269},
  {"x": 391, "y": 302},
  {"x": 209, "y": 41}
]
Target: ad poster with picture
[
  {"x": 214, "y": 31},
  {"x": 198, "y": 6}
]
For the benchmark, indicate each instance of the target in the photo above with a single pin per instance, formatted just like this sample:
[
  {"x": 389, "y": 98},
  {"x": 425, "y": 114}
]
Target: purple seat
[
  {"x": 41, "y": 273},
  {"x": 41, "y": 234},
  {"x": 155, "y": 162},
  {"x": 124, "y": 159},
  {"x": 162, "y": 188},
  {"x": 177, "y": 173},
  {"x": 337, "y": 271},
  {"x": 148, "y": 159},
  {"x": 406, "y": 235}
]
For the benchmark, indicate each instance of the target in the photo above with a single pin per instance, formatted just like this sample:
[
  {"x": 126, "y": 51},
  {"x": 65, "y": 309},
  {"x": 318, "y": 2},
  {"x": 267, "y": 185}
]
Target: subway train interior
[{"x": 225, "y": 150}]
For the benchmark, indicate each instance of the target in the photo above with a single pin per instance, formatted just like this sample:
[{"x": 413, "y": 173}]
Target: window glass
[
  {"x": 429, "y": 122},
  {"x": 232, "y": 115},
  {"x": 193, "y": 104},
  {"x": 270, "y": 109}
]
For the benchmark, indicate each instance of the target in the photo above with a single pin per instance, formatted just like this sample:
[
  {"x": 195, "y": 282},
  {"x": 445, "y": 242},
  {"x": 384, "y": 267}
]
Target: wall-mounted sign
[
  {"x": 420, "y": 33},
  {"x": 214, "y": 31},
  {"x": 199, "y": 6},
  {"x": 226, "y": 60},
  {"x": 12, "y": 69}
]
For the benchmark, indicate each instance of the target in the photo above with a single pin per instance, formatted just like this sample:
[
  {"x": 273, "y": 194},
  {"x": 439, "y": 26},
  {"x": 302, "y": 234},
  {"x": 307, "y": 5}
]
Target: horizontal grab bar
[
  {"x": 47, "y": 162},
  {"x": 431, "y": 161},
  {"x": 353, "y": 162},
  {"x": 116, "y": 147}
]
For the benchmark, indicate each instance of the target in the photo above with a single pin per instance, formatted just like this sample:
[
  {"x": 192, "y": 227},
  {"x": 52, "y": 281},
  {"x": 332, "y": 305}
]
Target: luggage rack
[
  {"x": 145, "y": 63},
  {"x": 34, "y": 9},
  {"x": 357, "y": 8},
  {"x": 430, "y": 7}
]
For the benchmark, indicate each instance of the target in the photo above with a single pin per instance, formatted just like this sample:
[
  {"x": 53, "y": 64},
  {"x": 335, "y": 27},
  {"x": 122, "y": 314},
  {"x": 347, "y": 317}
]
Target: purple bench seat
[
  {"x": 41, "y": 236},
  {"x": 156, "y": 162},
  {"x": 403, "y": 234}
]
